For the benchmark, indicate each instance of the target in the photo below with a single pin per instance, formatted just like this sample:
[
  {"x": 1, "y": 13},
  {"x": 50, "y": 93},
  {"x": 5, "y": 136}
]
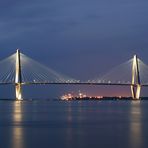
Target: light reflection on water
[
  {"x": 75, "y": 124},
  {"x": 69, "y": 129},
  {"x": 135, "y": 125},
  {"x": 17, "y": 130}
]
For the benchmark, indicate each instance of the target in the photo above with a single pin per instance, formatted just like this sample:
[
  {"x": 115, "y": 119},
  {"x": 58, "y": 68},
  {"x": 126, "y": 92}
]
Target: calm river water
[{"x": 75, "y": 124}]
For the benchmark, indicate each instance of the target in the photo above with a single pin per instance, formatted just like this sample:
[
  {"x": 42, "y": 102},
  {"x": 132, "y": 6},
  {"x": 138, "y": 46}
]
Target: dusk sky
[{"x": 80, "y": 38}]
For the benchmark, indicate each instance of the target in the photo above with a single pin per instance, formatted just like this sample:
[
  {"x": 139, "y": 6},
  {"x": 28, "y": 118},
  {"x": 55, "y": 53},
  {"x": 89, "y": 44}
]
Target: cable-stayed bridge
[{"x": 19, "y": 69}]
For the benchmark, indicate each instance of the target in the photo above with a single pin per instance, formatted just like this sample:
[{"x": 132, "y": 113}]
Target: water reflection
[
  {"x": 69, "y": 111},
  {"x": 75, "y": 120},
  {"x": 69, "y": 129},
  {"x": 135, "y": 125},
  {"x": 17, "y": 129}
]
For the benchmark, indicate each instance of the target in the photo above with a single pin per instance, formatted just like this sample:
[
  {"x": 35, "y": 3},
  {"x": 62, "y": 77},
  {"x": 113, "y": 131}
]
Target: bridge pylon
[
  {"x": 18, "y": 76},
  {"x": 136, "y": 83}
]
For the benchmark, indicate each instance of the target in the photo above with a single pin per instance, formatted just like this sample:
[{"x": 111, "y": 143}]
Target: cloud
[{"x": 75, "y": 25}]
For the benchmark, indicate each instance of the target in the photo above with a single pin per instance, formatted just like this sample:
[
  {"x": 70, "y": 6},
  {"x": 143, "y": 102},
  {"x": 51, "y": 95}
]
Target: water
[{"x": 77, "y": 124}]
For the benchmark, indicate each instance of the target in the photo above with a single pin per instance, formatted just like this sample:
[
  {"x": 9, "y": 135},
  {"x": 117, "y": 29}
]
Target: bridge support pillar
[
  {"x": 136, "y": 84},
  {"x": 18, "y": 91},
  {"x": 136, "y": 90},
  {"x": 18, "y": 76}
]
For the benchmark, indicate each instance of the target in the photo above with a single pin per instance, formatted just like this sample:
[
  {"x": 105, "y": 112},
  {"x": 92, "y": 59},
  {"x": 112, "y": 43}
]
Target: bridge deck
[{"x": 72, "y": 83}]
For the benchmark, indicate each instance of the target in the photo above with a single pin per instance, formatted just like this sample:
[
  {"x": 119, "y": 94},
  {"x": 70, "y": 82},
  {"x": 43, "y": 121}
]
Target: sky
[{"x": 79, "y": 38}]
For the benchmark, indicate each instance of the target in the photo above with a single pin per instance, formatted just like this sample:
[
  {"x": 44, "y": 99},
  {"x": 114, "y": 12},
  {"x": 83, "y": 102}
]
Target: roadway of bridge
[{"x": 73, "y": 83}]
